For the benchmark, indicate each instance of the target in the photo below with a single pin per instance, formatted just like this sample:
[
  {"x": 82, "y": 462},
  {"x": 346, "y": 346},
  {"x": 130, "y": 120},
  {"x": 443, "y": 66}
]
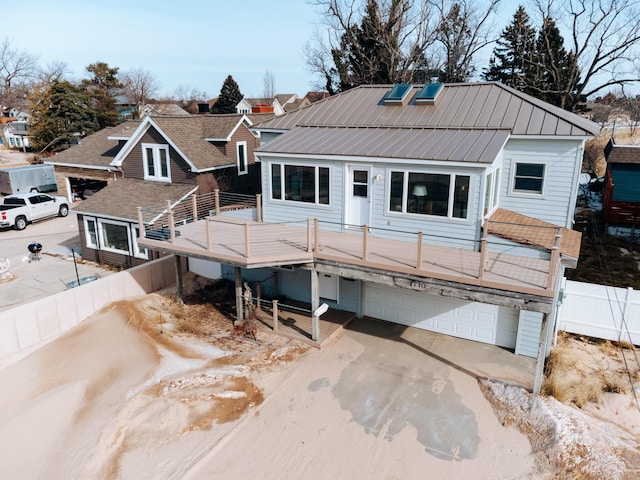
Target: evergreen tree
[
  {"x": 512, "y": 61},
  {"x": 103, "y": 87},
  {"x": 554, "y": 83},
  {"x": 229, "y": 97},
  {"x": 61, "y": 113}
]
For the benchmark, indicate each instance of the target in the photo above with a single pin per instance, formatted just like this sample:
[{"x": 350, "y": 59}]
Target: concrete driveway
[
  {"x": 28, "y": 281},
  {"x": 376, "y": 403}
]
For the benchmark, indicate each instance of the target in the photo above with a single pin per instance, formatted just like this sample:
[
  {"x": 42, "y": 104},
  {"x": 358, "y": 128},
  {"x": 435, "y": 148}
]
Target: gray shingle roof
[
  {"x": 122, "y": 198},
  {"x": 622, "y": 153},
  {"x": 95, "y": 150},
  {"x": 189, "y": 134},
  {"x": 488, "y": 105}
]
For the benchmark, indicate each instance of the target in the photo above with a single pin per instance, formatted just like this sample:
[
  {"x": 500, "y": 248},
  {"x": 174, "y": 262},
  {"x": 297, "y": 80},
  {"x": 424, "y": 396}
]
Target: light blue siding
[
  {"x": 562, "y": 160},
  {"x": 296, "y": 285},
  {"x": 528, "y": 337},
  {"x": 462, "y": 233}
]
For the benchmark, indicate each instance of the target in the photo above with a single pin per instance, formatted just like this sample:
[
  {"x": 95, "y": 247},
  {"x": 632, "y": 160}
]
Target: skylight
[
  {"x": 428, "y": 93},
  {"x": 398, "y": 93}
]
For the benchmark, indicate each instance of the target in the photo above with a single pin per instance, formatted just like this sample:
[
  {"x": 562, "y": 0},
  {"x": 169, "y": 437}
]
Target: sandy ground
[{"x": 125, "y": 396}]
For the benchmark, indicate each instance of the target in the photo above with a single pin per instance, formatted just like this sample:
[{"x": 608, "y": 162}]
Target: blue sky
[{"x": 194, "y": 43}]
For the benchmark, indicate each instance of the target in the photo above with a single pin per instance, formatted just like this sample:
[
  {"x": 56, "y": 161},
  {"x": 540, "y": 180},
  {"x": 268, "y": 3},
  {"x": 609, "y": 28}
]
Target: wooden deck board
[{"x": 272, "y": 244}]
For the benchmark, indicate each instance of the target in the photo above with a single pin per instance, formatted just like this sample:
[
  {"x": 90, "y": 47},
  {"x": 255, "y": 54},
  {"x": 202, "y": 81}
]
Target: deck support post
[
  {"x": 143, "y": 233},
  {"x": 316, "y": 232},
  {"x": 483, "y": 253},
  {"x": 542, "y": 354},
  {"x": 216, "y": 199},
  {"x": 172, "y": 226},
  {"x": 258, "y": 296},
  {"x": 239, "y": 308},
  {"x": 246, "y": 240},
  {"x": 274, "y": 307},
  {"x": 179, "y": 282},
  {"x": 365, "y": 231},
  {"x": 259, "y": 208},
  {"x": 208, "y": 224},
  {"x": 315, "y": 303},
  {"x": 194, "y": 207}
]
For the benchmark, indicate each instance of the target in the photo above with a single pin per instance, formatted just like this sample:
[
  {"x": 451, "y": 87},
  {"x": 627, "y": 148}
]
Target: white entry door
[{"x": 358, "y": 197}]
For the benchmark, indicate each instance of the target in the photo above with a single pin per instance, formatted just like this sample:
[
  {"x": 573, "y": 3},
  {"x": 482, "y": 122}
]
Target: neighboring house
[
  {"x": 16, "y": 134},
  {"x": 263, "y": 105},
  {"x": 149, "y": 163},
  {"x": 442, "y": 207},
  {"x": 169, "y": 109},
  {"x": 621, "y": 196}
]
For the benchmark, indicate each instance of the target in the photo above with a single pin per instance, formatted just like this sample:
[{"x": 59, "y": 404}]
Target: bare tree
[
  {"x": 269, "y": 85},
  {"x": 603, "y": 37},
  {"x": 139, "y": 86},
  {"x": 188, "y": 97},
  {"x": 464, "y": 29},
  {"x": 371, "y": 41},
  {"x": 15, "y": 67},
  {"x": 53, "y": 72}
]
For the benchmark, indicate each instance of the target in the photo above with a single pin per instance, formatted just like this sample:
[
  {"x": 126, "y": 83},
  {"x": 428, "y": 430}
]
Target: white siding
[
  {"x": 528, "y": 337},
  {"x": 459, "y": 318},
  {"x": 562, "y": 160}
]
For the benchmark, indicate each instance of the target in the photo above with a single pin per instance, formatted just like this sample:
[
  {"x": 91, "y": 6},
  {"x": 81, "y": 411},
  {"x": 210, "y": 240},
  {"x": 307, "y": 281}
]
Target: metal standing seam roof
[
  {"x": 455, "y": 145},
  {"x": 488, "y": 105}
]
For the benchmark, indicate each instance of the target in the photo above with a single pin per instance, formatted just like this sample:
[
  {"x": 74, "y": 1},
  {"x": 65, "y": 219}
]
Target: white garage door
[{"x": 451, "y": 316}]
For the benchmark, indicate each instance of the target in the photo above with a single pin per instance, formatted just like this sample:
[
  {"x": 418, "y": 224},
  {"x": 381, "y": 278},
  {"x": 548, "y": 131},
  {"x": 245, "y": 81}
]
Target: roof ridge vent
[
  {"x": 428, "y": 94},
  {"x": 398, "y": 94}
]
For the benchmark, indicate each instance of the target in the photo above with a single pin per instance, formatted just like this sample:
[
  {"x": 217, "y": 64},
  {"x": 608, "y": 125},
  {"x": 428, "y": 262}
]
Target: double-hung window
[
  {"x": 528, "y": 178},
  {"x": 300, "y": 183},
  {"x": 156, "y": 162},
  {"x": 442, "y": 195}
]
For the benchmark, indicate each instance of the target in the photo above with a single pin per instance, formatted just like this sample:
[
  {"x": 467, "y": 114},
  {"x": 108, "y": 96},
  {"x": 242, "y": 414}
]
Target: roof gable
[{"x": 190, "y": 136}]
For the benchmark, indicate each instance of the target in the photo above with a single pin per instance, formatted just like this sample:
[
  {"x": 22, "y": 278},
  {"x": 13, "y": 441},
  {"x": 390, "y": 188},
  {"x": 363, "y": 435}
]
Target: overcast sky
[{"x": 194, "y": 43}]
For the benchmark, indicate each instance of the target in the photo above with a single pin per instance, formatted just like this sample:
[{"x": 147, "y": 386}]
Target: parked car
[{"x": 21, "y": 209}]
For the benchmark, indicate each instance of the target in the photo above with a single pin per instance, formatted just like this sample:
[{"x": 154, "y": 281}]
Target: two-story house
[
  {"x": 442, "y": 207},
  {"x": 155, "y": 160}
]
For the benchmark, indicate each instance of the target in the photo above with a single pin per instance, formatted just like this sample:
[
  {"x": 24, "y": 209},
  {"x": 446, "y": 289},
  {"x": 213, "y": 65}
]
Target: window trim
[
  {"x": 405, "y": 182},
  {"x": 528, "y": 193},
  {"x": 239, "y": 164},
  {"x": 138, "y": 252},
  {"x": 87, "y": 235},
  {"x": 282, "y": 193},
  {"x": 494, "y": 192},
  {"x": 157, "y": 176},
  {"x": 101, "y": 222}
]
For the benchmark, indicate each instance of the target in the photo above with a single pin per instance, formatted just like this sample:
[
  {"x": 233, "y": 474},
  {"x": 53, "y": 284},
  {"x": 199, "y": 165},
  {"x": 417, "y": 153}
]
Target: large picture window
[
  {"x": 300, "y": 183},
  {"x": 442, "y": 195},
  {"x": 156, "y": 163},
  {"x": 528, "y": 178},
  {"x": 114, "y": 237}
]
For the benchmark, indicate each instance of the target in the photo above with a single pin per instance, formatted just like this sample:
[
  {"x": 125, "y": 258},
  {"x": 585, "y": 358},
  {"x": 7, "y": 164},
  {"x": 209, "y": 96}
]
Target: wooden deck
[{"x": 255, "y": 245}]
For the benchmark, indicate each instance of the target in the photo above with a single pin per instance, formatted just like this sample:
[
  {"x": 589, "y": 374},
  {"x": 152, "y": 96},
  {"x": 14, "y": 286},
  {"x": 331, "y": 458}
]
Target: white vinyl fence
[
  {"x": 27, "y": 327},
  {"x": 600, "y": 311}
]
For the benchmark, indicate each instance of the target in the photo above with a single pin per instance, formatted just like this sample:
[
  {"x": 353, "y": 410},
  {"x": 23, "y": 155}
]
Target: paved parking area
[{"x": 26, "y": 281}]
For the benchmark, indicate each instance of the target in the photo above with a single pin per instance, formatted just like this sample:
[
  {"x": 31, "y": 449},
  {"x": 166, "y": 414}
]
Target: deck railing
[{"x": 250, "y": 239}]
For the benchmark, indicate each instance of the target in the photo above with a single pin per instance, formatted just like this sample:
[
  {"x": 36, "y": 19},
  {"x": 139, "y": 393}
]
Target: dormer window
[{"x": 156, "y": 163}]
